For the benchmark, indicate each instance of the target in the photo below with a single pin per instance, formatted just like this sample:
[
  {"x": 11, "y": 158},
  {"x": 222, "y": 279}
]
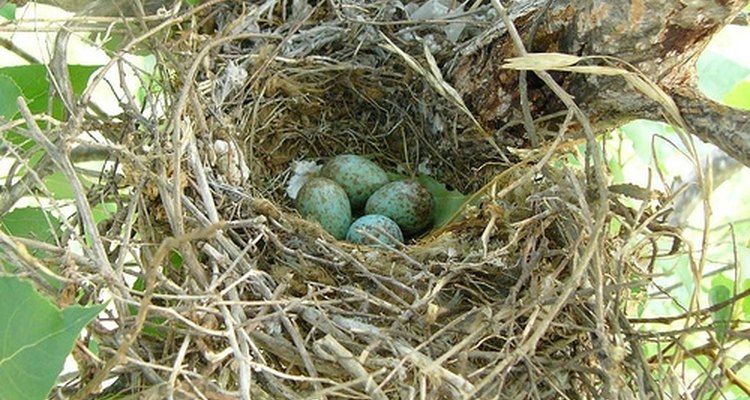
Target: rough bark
[{"x": 660, "y": 38}]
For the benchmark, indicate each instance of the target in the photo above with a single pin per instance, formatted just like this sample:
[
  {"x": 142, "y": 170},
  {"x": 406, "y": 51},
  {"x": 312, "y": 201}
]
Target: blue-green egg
[
  {"x": 406, "y": 202},
  {"x": 324, "y": 201},
  {"x": 382, "y": 228},
  {"x": 358, "y": 176}
]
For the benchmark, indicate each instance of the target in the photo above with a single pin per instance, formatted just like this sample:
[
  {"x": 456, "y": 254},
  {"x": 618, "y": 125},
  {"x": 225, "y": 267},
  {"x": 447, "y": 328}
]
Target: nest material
[{"x": 520, "y": 296}]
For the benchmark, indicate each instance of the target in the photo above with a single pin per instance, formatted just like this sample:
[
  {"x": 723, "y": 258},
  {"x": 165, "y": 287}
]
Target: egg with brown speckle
[
  {"x": 406, "y": 202},
  {"x": 358, "y": 176},
  {"x": 373, "y": 230},
  {"x": 324, "y": 201}
]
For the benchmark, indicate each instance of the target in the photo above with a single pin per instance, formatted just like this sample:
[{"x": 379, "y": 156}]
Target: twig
[
  {"x": 143, "y": 307},
  {"x": 60, "y": 158},
  {"x": 347, "y": 360}
]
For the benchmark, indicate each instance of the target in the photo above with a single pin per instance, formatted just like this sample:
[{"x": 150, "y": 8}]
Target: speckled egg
[
  {"x": 358, "y": 176},
  {"x": 322, "y": 200},
  {"x": 407, "y": 202},
  {"x": 377, "y": 226}
]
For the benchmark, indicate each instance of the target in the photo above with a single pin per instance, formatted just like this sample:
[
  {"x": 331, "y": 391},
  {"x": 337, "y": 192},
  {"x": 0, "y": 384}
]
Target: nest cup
[{"x": 486, "y": 305}]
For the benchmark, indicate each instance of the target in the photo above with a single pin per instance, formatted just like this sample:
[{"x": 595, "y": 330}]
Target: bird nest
[{"x": 520, "y": 293}]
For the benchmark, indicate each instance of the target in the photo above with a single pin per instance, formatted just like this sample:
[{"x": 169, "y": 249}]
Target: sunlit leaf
[
  {"x": 721, "y": 317},
  {"x": 739, "y": 96},
  {"x": 35, "y": 339},
  {"x": 9, "y": 92},
  {"x": 718, "y": 74},
  {"x": 32, "y": 223},
  {"x": 59, "y": 186},
  {"x": 8, "y": 11},
  {"x": 175, "y": 259},
  {"x": 102, "y": 211},
  {"x": 33, "y": 82},
  {"x": 746, "y": 299},
  {"x": 447, "y": 202}
]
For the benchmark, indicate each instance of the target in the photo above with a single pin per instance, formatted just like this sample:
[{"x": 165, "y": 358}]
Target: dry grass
[{"x": 521, "y": 296}]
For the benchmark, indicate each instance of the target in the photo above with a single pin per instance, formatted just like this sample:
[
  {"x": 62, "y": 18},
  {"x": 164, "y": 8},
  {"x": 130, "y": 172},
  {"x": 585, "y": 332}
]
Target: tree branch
[{"x": 662, "y": 39}]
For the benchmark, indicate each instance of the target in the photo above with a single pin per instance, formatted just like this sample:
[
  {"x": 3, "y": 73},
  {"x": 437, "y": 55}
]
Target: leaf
[
  {"x": 640, "y": 133},
  {"x": 447, "y": 202},
  {"x": 35, "y": 338},
  {"x": 103, "y": 211},
  {"x": 175, "y": 259},
  {"x": 9, "y": 92},
  {"x": 718, "y": 74},
  {"x": 32, "y": 223},
  {"x": 34, "y": 85},
  {"x": 8, "y": 11},
  {"x": 739, "y": 96},
  {"x": 746, "y": 300},
  {"x": 717, "y": 294},
  {"x": 57, "y": 184}
]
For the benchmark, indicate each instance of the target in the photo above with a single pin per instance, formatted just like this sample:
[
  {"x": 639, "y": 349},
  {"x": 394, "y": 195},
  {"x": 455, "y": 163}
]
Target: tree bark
[{"x": 662, "y": 39}]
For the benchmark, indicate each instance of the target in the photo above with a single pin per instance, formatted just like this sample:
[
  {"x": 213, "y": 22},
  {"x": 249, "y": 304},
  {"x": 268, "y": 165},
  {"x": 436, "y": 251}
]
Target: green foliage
[
  {"x": 739, "y": 96},
  {"x": 102, "y": 211},
  {"x": 746, "y": 299},
  {"x": 718, "y": 293},
  {"x": 31, "y": 82},
  {"x": 175, "y": 259},
  {"x": 447, "y": 202},
  {"x": 8, "y": 11},
  {"x": 34, "y": 85},
  {"x": 641, "y": 134},
  {"x": 35, "y": 338},
  {"x": 31, "y": 223},
  {"x": 58, "y": 186},
  {"x": 718, "y": 74},
  {"x": 192, "y": 3},
  {"x": 9, "y": 91}
]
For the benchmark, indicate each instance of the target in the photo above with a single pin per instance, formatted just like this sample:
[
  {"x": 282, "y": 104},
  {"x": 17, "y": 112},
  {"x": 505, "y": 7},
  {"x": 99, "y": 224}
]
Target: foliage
[
  {"x": 35, "y": 338},
  {"x": 36, "y": 335},
  {"x": 653, "y": 155}
]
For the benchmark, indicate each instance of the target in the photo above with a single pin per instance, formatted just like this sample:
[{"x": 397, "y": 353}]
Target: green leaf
[
  {"x": 739, "y": 96},
  {"x": 8, "y": 11},
  {"x": 35, "y": 338},
  {"x": 193, "y": 3},
  {"x": 618, "y": 175},
  {"x": 34, "y": 85},
  {"x": 9, "y": 92},
  {"x": 746, "y": 299},
  {"x": 175, "y": 259},
  {"x": 102, "y": 211},
  {"x": 57, "y": 184},
  {"x": 718, "y": 74},
  {"x": 722, "y": 317},
  {"x": 447, "y": 202},
  {"x": 32, "y": 223}
]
